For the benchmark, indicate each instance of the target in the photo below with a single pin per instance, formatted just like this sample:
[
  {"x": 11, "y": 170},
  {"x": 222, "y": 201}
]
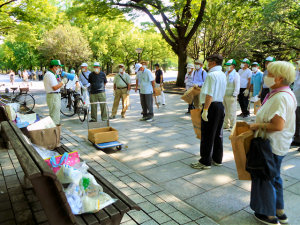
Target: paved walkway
[{"x": 153, "y": 169}]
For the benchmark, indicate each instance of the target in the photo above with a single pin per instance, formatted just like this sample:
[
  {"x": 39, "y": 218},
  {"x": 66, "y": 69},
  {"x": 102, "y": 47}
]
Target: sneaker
[
  {"x": 246, "y": 116},
  {"x": 265, "y": 220},
  {"x": 123, "y": 117},
  {"x": 217, "y": 164},
  {"x": 200, "y": 166},
  {"x": 149, "y": 119},
  {"x": 241, "y": 115},
  {"x": 112, "y": 117},
  {"x": 283, "y": 219},
  {"x": 163, "y": 104},
  {"x": 143, "y": 119}
]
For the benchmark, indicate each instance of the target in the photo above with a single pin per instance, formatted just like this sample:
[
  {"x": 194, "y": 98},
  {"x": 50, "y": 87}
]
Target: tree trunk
[{"x": 182, "y": 57}]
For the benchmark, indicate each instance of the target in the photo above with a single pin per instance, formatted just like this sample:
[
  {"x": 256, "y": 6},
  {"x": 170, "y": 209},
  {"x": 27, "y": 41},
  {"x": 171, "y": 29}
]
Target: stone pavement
[{"x": 153, "y": 169}]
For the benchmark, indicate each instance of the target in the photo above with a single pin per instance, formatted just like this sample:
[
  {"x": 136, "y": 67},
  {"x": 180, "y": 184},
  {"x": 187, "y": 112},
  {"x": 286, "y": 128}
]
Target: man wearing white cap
[
  {"x": 84, "y": 79},
  {"x": 147, "y": 88},
  {"x": 245, "y": 82},
  {"x": 265, "y": 90},
  {"x": 188, "y": 80},
  {"x": 296, "y": 90},
  {"x": 232, "y": 91},
  {"x": 199, "y": 76},
  {"x": 97, "y": 80},
  {"x": 73, "y": 84},
  {"x": 121, "y": 91}
]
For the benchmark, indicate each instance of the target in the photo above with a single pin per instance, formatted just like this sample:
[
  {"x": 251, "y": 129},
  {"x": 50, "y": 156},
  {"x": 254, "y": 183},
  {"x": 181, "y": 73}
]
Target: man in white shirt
[
  {"x": 147, "y": 88},
  {"x": 211, "y": 97},
  {"x": 52, "y": 88},
  {"x": 245, "y": 83},
  {"x": 232, "y": 91},
  {"x": 199, "y": 76}
]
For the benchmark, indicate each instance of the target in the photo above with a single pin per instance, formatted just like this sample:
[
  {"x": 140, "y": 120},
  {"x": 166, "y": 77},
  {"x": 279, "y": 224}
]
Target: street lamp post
[{"x": 139, "y": 51}]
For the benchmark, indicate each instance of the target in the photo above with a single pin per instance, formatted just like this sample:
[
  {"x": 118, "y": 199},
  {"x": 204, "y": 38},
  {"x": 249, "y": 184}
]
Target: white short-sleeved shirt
[
  {"x": 244, "y": 76},
  {"x": 72, "y": 83},
  {"x": 284, "y": 105},
  {"x": 146, "y": 79},
  {"x": 50, "y": 81},
  {"x": 214, "y": 85}
]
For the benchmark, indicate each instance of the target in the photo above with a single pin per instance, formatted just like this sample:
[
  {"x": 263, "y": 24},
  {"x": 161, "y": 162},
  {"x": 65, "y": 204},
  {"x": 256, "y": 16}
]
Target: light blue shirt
[
  {"x": 214, "y": 85},
  {"x": 256, "y": 80},
  {"x": 145, "y": 78},
  {"x": 82, "y": 80},
  {"x": 198, "y": 77}
]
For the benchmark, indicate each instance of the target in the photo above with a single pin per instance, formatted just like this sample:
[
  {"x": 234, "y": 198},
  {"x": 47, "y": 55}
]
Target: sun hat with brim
[
  {"x": 96, "y": 64},
  {"x": 270, "y": 59},
  {"x": 84, "y": 64},
  {"x": 137, "y": 67},
  {"x": 230, "y": 62},
  {"x": 255, "y": 64},
  {"x": 198, "y": 61},
  {"x": 121, "y": 65},
  {"x": 245, "y": 60},
  {"x": 190, "y": 66},
  {"x": 55, "y": 62}
]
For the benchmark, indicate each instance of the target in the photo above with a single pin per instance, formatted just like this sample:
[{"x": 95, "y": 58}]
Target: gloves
[
  {"x": 251, "y": 94},
  {"x": 246, "y": 92},
  {"x": 64, "y": 81},
  {"x": 205, "y": 114}
]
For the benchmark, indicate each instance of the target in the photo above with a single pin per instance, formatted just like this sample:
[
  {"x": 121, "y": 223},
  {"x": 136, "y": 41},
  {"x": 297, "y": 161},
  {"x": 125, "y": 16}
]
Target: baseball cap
[
  {"x": 245, "y": 60},
  {"x": 190, "y": 65},
  {"x": 255, "y": 64},
  {"x": 55, "y": 62},
  {"x": 270, "y": 59},
  {"x": 96, "y": 64},
  {"x": 198, "y": 61},
  {"x": 137, "y": 67},
  {"x": 84, "y": 64},
  {"x": 230, "y": 62}
]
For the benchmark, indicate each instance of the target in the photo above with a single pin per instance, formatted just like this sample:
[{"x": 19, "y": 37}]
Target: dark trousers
[
  {"x": 297, "y": 131},
  {"x": 191, "y": 106},
  {"x": 147, "y": 105},
  {"x": 263, "y": 94},
  {"x": 211, "y": 147},
  {"x": 244, "y": 102},
  {"x": 267, "y": 195}
]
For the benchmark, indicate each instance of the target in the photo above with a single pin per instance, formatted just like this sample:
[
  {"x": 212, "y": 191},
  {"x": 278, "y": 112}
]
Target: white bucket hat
[
  {"x": 190, "y": 66},
  {"x": 84, "y": 64}
]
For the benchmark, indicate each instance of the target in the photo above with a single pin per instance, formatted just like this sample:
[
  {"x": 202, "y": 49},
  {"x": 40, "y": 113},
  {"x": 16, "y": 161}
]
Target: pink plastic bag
[{"x": 55, "y": 162}]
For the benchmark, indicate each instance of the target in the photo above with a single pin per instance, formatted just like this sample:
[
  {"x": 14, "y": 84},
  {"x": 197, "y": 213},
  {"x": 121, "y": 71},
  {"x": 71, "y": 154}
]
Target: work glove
[
  {"x": 251, "y": 94},
  {"x": 246, "y": 92},
  {"x": 64, "y": 81},
  {"x": 205, "y": 114}
]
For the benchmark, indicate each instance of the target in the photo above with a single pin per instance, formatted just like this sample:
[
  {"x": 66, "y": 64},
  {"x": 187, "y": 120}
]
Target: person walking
[
  {"x": 265, "y": 90},
  {"x": 245, "y": 82},
  {"x": 188, "y": 80},
  {"x": 52, "y": 88},
  {"x": 147, "y": 88},
  {"x": 159, "y": 82},
  {"x": 211, "y": 98},
  {"x": 97, "y": 80},
  {"x": 296, "y": 90},
  {"x": 12, "y": 77},
  {"x": 122, "y": 88},
  {"x": 232, "y": 91},
  {"x": 256, "y": 79},
  {"x": 277, "y": 116},
  {"x": 199, "y": 76}
]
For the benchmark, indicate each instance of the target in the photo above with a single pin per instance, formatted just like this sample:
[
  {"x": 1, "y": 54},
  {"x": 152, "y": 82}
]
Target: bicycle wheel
[
  {"x": 81, "y": 110},
  {"x": 67, "y": 108},
  {"x": 26, "y": 102}
]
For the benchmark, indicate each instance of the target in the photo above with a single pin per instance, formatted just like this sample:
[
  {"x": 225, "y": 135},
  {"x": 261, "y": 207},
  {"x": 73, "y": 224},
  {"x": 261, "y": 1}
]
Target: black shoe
[
  {"x": 188, "y": 112},
  {"x": 294, "y": 143},
  {"x": 241, "y": 115},
  {"x": 265, "y": 220},
  {"x": 283, "y": 219},
  {"x": 246, "y": 116}
]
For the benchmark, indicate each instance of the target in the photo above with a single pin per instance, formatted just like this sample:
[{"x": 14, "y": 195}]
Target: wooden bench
[{"x": 50, "y": 192}]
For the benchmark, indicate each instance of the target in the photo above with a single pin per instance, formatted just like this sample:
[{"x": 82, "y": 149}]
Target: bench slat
[
  {"x": 28, "y": 165},
  {"x": 90, "y": 219}
]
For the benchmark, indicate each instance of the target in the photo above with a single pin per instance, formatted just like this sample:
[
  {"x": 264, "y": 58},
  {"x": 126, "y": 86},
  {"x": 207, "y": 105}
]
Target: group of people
[{"x": 218, "y": 100}]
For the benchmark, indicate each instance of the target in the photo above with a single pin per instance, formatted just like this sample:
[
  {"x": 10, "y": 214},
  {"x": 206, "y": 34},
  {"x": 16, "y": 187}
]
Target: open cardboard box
[{"x": 102, "y": 135}]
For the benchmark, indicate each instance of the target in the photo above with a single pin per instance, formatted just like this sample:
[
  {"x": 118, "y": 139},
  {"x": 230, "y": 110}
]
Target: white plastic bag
[
  {"x": 68, "y": 174},
  {"x": 73, "y": 194},
  {"x": 44, "y": 123},
  {"x": 96, "y": 203},
  {"x": 44, "y": 153}
]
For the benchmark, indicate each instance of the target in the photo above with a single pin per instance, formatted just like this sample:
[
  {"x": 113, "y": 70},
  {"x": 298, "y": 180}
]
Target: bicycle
[
  {"x": 72, "y": 103},
  {"x": 26, "y": 101}
]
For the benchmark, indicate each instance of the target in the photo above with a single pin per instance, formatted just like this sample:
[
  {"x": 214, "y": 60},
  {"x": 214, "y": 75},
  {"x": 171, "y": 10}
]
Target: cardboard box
[{"x": 103, "y": 135}]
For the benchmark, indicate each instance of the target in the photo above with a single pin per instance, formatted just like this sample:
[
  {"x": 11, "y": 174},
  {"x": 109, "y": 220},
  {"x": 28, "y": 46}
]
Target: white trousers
[
  {"x": 230, "y": 105},
  {"x": 162, "y": 96}
]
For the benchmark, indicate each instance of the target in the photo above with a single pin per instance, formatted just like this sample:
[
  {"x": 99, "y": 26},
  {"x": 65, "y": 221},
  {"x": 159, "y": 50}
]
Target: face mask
[
  {"x": 242, "y": 65},
  {"x": 189, "y": 70},
  {"x": 84, "y": 69},
  {"x": 145, "y": 66},
  {"x": 97, "y": 70},
  {"x": 269, "y": 81},
  {"x": 197, "y": 67},
  {"x": 57, "y": 71},
  {"x": 228, "y": 68},
  {"x": 254, "y": 69},
  {"x": 121, "y": 70}
]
